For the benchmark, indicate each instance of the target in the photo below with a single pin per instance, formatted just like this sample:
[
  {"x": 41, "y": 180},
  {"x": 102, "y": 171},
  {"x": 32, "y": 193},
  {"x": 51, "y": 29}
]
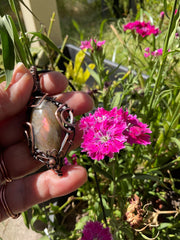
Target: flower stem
[
  {"x": 100, "y": 197},
  {"x": 164, "y": 56}
]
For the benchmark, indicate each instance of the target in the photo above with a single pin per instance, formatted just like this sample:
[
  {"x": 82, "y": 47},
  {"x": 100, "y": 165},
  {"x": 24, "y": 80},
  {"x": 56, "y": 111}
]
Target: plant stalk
[
  {"x": 100, "y": 197},
  {"x": 164, "y": 56}
]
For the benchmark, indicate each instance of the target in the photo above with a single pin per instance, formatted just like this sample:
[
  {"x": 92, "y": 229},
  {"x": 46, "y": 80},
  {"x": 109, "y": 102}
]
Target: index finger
[{"x": 14, "y": 99}]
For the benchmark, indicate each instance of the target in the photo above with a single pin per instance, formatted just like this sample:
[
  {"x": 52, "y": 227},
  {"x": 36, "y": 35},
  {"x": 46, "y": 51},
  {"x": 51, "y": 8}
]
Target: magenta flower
[
  {"x": 73, "y": 158},
  {"x": 162, "y": 14},
  {"x": 105, "y": 132},
  {"x": 177, "y": 35},
  {"x": 147, "y": 52},
  {"x": 142, "y": 28},
  {"x": 96, "y": 231},
  {"x": 155, "y": 53},
  {"x": 86, "y": 44},
  {"x": 136, "y": 132},
  {"x": 89, "y": 44}
]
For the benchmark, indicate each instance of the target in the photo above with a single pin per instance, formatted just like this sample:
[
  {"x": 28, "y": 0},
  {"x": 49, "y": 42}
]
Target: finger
[
  {"x": 80, "y": 102},
  {"x": 53, "y": 82},
  {"x": 13, "y": 100},
  {"x": 19, "y": 162},
  {"x": 41, "y": 187},
  {"x": 12, "y": 130}
]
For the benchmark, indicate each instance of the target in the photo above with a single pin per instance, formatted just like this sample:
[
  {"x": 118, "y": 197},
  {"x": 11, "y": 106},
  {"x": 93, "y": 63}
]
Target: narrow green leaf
[
  {"x": 101, "y": 171},
  {"x": 13, "y": 32},
  {"x": 11, "y": 3},
  {"x": 94, "y": 75},
  {"x": 101, "y": 28},
  {"x": 116, "y": 100},
  {"x": 165, "y": 8},
  {"x": 76, "y": 25},
  {"x": 7, "y": 52},
  {"x": 146, "y": 176},
  {"x": 50, "y": 43},
  {"x": 25, "y": 218},
  {"x": 174, "y": 27}
]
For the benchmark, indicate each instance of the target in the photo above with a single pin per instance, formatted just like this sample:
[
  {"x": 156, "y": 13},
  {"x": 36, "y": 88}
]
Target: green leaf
[
  {"x": 146, "y": 176},
  {"x": 94, "y": 75},
  {"x": 101, "y": 171},
  {"x": 13, "y": 32},
  {"x": 101, "y": 28},
  {"x": 25, "y": 218},
  {"x": 7, "y": 51},
  {"x": 164, "y": 225},
  {"x": 44, "y": 238},
  {"x": 116, "y": 100},
  {"x": 176, "y": 141},
  {"x": 11, "y": 3},
  {"x": 165, "y": 7},
  {"x": 47, "y": 41},
  {"x": 174, "y": 27}
]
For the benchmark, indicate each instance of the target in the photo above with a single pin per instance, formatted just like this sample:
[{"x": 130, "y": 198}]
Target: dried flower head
[{"x": 134, "y": 213}]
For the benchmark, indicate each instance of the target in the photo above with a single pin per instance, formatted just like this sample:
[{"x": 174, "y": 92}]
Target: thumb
[{"x": 14, "y": 99}]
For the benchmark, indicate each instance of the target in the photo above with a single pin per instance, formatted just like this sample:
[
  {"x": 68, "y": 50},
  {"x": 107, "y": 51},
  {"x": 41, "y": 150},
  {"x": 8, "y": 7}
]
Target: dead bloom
[{"x": 134, "y": 213}]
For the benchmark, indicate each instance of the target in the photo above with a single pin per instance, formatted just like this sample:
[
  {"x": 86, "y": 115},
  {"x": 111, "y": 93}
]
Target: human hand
[{"x": 27, "y": 187}]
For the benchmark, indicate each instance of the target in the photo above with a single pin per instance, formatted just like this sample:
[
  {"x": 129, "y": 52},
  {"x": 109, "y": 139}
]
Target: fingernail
[{"x": 19, "y": 71}]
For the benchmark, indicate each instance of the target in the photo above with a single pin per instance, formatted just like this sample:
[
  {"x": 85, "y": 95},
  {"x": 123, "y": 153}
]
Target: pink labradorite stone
[{"x": 46, "y": 129}]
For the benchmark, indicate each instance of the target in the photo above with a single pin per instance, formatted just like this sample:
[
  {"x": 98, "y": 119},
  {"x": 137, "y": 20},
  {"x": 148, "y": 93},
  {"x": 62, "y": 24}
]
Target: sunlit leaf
[
  {"x": 174, "y": 27},
  {"x": 116, "y": 100},
  {"x": 7, "y": 51},
  {"x": 94, "y": 75},
  {"x": 46, "y": 40}
]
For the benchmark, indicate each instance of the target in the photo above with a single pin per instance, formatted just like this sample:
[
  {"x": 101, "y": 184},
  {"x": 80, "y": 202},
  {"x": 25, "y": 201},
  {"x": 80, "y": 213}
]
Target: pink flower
[
  {"x": 89, "y": 44},
  {"x": 66, "y": 162},
  {"x": 96, "y": 231},
  {"x": 105, "y": 132},
  {"x": 157, "y": 52},
  {"x": 162, "y": 14},
  {"x": 176, "y": 35},
  {"x": 142, "y": 28},
  {"x": 86, "y": 44},
  {"x": 146, "y": 55},
  {"x": 147, "y": 52},
  {"x": 73, "y": 158},
  {"x": 147, "y": 49},
  {"x": 137, "y": 132}
]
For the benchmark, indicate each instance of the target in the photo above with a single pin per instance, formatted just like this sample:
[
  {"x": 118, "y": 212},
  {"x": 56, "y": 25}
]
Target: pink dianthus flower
[
  {"x": 105, "y": 132},
  {"x": 96, "y": 231},
  {"x": 89, "y": 44},
  {"x": 157, "y": 52},
  {"x": 142, "y": 28},
  {"x": 162, "y": 14}
]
